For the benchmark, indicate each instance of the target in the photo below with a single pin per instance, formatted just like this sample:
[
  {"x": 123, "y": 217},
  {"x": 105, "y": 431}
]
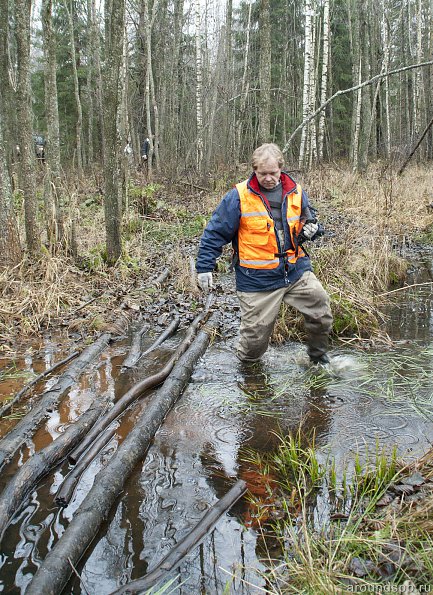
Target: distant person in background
[
  {"x": 145, "y": 150},
  {"x": 127, "y": 151},
  {"x": 40, "y": 143}
]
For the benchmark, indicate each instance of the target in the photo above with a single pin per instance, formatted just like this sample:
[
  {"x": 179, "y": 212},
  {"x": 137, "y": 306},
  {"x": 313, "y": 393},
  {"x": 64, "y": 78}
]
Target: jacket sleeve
[
  {"x": 221, "y": 229},
  {"x": 309, "y": 212}
]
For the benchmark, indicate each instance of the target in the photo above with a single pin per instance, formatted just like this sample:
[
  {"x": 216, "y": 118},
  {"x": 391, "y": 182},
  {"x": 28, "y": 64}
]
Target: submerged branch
[
  {"x": 68, "y": 486},
  {"x": 189, "y": 542},
  {"x": 170, "y": 330}
]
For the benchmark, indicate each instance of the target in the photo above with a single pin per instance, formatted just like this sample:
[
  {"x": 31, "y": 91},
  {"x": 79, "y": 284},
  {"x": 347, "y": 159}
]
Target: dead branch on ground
[{"x": 190, "y": 541}]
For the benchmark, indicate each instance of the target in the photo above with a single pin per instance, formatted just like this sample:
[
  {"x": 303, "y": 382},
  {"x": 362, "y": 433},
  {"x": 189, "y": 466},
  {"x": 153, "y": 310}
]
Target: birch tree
[
  {"x": 324, "y": 77},
  {"x": 244, "y": 88},
  {"x": 199, "y": 88},
  {"x": 306, "y": 93}
]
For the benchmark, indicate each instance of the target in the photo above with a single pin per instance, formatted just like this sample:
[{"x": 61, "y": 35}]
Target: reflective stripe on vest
[{"x": 257, "y": 243}]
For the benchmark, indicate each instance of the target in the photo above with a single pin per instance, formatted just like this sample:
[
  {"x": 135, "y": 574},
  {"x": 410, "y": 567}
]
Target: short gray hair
[{"x": 265, "y": 152}]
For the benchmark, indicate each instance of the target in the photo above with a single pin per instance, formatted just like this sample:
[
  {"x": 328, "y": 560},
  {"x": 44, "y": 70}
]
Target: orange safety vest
[{"x": 257, "y": 242}]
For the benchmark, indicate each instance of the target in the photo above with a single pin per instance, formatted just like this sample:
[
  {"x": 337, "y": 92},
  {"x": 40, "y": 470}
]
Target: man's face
[{"x": 268, "y": 173}]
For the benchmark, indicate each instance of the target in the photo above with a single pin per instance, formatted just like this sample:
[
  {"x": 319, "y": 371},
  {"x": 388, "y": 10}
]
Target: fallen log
[
  {"x": 28, "y": 424},
  {"x": 135, "y": 350},
  {"x": 170, "y": 330},
  {"x": 55, "y": 570},
  {"x": 162, "y": 277},
  {"x": 8, "y": 406},
  {"x": 25, "y": 480},
  {"x": 190, "y": 541},
  {"x": 417, "y": 144},
  {"x": 136, "y": 354},
  {"x": 138, "y": 389},
  {"x": 67, "y": 488}
]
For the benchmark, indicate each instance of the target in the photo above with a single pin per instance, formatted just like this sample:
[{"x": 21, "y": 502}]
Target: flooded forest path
[{"x": 365, "y": 400}]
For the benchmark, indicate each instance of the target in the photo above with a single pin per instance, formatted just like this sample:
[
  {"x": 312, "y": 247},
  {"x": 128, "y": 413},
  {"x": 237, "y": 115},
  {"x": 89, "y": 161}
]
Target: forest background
[{"x": 344, "y": 87}]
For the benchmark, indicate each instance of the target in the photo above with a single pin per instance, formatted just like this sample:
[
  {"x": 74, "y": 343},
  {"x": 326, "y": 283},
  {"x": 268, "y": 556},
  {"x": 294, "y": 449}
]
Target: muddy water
[{"x": 361, "y": 402}]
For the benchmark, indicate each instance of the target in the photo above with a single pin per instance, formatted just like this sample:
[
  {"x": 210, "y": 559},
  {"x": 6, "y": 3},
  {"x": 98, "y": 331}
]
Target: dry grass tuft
[
  {"x": 371, "y": 219},
  {"x": 50, "y": 291}
]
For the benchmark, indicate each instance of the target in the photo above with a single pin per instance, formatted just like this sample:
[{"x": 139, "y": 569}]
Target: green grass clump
[{"x": 364, "y": 537}]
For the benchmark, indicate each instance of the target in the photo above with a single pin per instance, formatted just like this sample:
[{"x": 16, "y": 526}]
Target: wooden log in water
[
  {"x": 135, "y": 353},
  {"x": 26, "y": 427},
  {"x": 67, "y": 488},
  {"x": 170, "y": 330},
  {"x": 56, "y": 569},
  {"x": 138, "y": 389},
  {"x": 8, "y": 406},
  {"x": 41, "y": 463},
  {"x": 135, "y": 350},
  {"x": 190, "y": 541}
]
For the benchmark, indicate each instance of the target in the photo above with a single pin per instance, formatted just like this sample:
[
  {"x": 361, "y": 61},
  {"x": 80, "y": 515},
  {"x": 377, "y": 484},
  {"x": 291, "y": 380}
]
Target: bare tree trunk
[
  {"x": 199, "y": 88},
  {"x": 7, "y": 90},
  {"x": 307, "y": 80},
  {"x": 96, "y": 53},
  {"x": 149, "y": 90},
  {"x": 324, "y": 78},
  {"x": 312, "y": 132},
  {"x": 418, "y": 88},
  {"x": 114, "y": 32},
  {"x": 10, "y": 250},
  {"x": 386, "y": 62},
  {"x": 154, "y": 142},
  {"x": 79, "y": 124},
  {"x": 125, "y": 132},
  {"x": 244, "y": 89},
  {"x": 25, "y": 124},
  {"x": 265, "y": 72},
  {"x": 229, "y": 143},
  {"x": 54, "y": 208},
  {"x": 90, "y": 85}
]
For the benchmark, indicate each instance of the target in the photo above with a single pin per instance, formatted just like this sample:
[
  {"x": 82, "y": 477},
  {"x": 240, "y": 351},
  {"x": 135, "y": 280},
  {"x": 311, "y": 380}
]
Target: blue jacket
[{"x": 223, "y": 227}]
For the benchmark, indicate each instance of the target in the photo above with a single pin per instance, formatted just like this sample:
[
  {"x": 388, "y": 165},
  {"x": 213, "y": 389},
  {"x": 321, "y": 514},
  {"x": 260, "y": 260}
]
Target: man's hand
[
  {"x": 309, "y": 230},
  {"x": 205, "y": 282}
]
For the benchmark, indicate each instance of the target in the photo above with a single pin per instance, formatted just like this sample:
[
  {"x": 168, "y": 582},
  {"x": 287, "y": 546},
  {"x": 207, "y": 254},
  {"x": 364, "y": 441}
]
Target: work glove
[
  {"x": 309, "y": 230},
  {"x": 204, "y": 281}
]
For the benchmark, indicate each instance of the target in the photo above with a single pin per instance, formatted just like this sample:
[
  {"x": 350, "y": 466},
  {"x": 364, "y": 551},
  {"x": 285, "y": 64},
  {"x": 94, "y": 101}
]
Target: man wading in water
[{"x": 267, "y": 218}]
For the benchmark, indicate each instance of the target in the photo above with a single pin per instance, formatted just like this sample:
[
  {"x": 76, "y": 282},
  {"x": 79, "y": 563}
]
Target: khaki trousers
[{"x": 259, "y": 310}]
